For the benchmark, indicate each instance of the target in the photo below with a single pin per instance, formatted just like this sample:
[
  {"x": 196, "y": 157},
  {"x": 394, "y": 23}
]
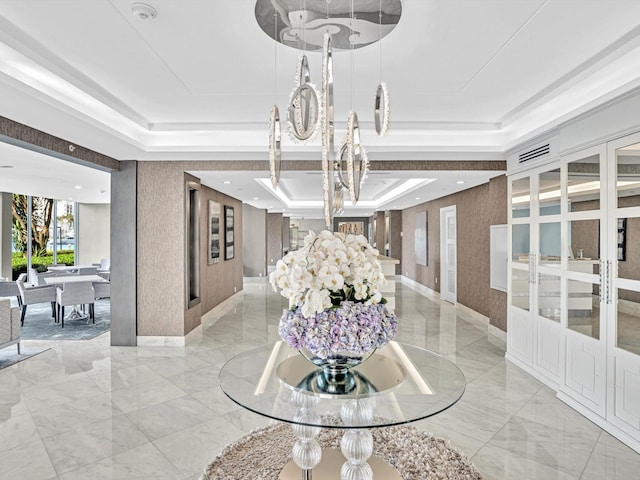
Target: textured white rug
[{"x": 417, "y": 455}]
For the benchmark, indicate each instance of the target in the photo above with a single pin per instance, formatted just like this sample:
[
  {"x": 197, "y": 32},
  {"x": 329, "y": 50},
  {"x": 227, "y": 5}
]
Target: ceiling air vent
[{"x": 535, "y": 153}]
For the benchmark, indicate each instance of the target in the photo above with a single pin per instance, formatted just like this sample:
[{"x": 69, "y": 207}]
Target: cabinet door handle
[
  {"x": 532, "y": 268},
  {"x": 609, "y": 281},
  {"x": 601, "y": 295}
]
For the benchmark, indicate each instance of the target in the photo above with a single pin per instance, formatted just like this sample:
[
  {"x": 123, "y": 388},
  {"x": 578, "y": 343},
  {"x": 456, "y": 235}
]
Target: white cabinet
[{"x": 574, "y": 286}]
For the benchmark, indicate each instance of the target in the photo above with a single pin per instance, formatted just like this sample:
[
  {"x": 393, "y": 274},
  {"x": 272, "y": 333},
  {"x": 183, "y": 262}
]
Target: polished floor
[{"x": 85, "y": 410}]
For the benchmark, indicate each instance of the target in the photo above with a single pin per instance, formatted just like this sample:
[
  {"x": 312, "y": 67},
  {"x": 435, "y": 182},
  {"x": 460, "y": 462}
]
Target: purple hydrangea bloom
[{"x": 353, "y": 328}]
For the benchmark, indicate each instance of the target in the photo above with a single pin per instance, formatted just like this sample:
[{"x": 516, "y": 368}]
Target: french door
[{"x": 622, "y": 290}]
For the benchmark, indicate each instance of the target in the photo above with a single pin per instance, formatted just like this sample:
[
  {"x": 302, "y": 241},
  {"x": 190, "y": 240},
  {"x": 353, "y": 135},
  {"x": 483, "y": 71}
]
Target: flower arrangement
[{"x": 335, "y": 305}]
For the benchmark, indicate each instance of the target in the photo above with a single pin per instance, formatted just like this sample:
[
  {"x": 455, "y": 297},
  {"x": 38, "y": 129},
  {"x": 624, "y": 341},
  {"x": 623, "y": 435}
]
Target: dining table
[{"x": 60, "y": 279}]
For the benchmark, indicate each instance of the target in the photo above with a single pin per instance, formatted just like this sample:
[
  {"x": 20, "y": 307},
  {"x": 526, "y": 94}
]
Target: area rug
[
  {"x": 39, "y": 324},
  {"x": 9, "y": 355},
  {"x": 417, "y": 455}
]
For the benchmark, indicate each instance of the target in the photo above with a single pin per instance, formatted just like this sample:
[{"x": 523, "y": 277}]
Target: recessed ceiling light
[
  {"x": 460, "y": 182},
  {"x": 70, "y": 198},
  {"x": 226, "y": 182},
  {"x": 79, "y": 187},
  {"x": 143, "y": 11},
  {"x": 417, "y": 198},
  {"x": 256, "y": 198}
]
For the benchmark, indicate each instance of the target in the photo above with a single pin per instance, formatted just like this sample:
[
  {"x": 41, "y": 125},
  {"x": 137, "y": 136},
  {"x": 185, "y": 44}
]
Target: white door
[{"x": 448, "y": 254}]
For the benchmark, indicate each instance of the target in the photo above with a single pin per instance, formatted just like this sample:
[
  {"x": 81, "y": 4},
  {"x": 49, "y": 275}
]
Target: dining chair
[
  {"x": 88, "y": 271},
  {"x": 102, "y": 289},
  {"x": 75, "y": 293},
  {"x": 33, "y": 295},
  {"x": 9, "y": 289}
]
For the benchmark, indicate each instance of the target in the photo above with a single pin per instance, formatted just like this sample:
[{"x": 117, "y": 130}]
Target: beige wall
[
  {"x": 395, "y": 237},
  {"x": 477, "y": 209},
  {"x": 162, "y": 306},
  {"x": 94, "y": 233},
  {"x": 161, "y": 247},
  {"x": 221, "y": 280},
  {"x": 274, "y": 238}
]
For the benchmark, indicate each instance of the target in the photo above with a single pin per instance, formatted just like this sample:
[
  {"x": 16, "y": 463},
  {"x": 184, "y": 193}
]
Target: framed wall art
[
  {"x": 214, "y": 233},
  {"x": 228, "y": 232}
]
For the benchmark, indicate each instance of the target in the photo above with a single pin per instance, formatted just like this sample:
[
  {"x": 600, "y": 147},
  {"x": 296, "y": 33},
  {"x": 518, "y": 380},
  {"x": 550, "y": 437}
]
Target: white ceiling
[
  {"x": 32, "y": 173},
  {"x": 468, "y": 79}
]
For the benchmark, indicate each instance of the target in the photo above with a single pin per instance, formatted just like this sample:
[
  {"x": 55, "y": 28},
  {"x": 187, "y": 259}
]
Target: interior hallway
[{"x": 85, "y": 410}]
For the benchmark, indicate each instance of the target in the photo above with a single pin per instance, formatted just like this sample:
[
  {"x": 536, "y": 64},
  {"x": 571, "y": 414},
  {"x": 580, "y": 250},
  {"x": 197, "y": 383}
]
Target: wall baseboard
[
  {"x": 418, "y": 287},
  {"x": 160, "y": 341}
]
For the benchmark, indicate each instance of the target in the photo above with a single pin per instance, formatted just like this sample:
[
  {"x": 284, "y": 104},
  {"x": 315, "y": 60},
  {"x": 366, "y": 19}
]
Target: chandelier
[{"x": 313, "y": 25}]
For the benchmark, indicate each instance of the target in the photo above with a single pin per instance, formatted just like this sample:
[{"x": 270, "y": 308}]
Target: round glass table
[{"x": 398, "y": 384}]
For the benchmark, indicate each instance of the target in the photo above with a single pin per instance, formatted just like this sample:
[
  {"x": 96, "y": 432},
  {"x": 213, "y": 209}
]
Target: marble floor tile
[
  {"x": 478, "y": 421},
  {"x": 567, "y": 451},
  {"x": 612, "y": 460},
  {"x": 145, "y": 395},
  {"x": 495, "y": 463},
  {"x": 93, "y": 442},
  {"x": 29, "y": 461},
  {"x": 86, "y": 410},
  {"x": 109, "y": 380},
  {"x": 192, "y": 449},
  {"x": 144, "y": 462},
  {"x": 16, "y": 431},
  {"x": 544, "y": 408},
  {"x": 60, "y": 418},
  {"x": 169, "y": 417}
]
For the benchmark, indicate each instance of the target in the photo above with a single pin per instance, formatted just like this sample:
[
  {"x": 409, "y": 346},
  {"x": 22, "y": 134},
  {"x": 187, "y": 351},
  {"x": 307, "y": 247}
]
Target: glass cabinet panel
[
  {"x": 583, "y": 308},
  {"x": 584, "y": 246},
  {"x": 549, "y": 192},
  {"x": 549, "y": 296},
  {"x": 520, "y": 243},
  {"x": 550, "y": 244},
  {"x": 628, "y": 320},
  {"x": 520, "y": 198},
  {"x": 583, "y": 184},
  {"x": 628, "y": 176},
  {"x": 520, "y": 296}
]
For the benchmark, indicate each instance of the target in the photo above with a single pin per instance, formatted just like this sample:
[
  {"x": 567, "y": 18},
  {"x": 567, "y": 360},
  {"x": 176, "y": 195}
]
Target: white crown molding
[{"x": 28, "y": 69}]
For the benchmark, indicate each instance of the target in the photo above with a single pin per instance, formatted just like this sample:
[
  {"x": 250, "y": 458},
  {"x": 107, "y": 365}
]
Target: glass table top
[{"x": 403, "y": 383}]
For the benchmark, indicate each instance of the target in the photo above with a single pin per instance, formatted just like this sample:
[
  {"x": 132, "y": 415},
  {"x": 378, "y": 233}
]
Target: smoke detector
[{"x": 143, "y": 11}]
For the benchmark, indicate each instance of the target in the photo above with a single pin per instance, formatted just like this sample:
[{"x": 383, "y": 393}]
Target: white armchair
[
  {"x": 9, "y": 324},
  {"x": 33, "y": 295},
  {"x": 75, "y": 293},
  {"x": 9, "y": 289}
]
